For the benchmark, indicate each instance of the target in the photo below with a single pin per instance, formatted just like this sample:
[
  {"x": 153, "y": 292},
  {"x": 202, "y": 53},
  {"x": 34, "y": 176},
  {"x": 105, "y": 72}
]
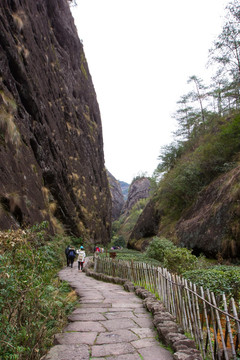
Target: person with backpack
[
  {"x": 71, "y": 255},
  {"x": 66, "y": 253},
  {"x": 81, "y": 258}
]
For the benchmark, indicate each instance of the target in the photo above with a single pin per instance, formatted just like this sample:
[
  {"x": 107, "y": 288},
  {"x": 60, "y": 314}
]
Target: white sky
[{"x": 140, "y": 54}]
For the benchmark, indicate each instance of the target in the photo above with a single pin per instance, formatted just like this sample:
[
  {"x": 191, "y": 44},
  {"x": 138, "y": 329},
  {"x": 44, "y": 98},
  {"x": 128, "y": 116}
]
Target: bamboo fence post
[
  {"x": 228, "y": 329},
  {"x": 155, "y": 278},
  {"x": 146, "y": 275},
  {"x": 237, "y": 323},
  {"x": 178, "y": 301},
  {"x": 132, "y": 272},
  {"x": 172, "y": 299},
  {"x": 188, "y": 309},
  {"x": 216, "y": 344},
  {"x": 195, "y": 324},
  {"x": 158, "y": 283},
  {"x": 152, "y": 286},
  {"x": 193, "y": 313},
  {"x": 165, "y": 288},
  {"x": 207, "y": 325},
  {"x": 182, "y": 313},
  {"x": 167, "y": 291},
  {"x": 199, "y": 320},
  {"x": 152, "y": 278},
  {"x": 161, "y": 285},
  {"x": 220, "y": 327}
]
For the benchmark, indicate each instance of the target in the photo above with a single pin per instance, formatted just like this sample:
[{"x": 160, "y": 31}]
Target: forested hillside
[{"x": 197, "y": 197}]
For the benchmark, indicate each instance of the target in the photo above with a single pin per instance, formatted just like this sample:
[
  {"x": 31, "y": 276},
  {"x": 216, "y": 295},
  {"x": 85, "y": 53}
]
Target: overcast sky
[{"x": 140, "y": 54}]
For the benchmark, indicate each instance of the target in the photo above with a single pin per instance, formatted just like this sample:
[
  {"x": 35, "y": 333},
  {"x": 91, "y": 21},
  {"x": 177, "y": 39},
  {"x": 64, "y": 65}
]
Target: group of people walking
[{"x": 71, "y": 254}]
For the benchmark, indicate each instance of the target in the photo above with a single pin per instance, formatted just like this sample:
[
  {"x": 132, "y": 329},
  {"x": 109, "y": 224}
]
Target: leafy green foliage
[
  {"x": 133, "y": 255},
  {"x": 217, "y": 279},
  {"x": 179, "y": 260},
  {"x": 175, "y": 259},
  {"x": 76, "y": 242},
  {"x": 158, "y": 247},
  {"x": 194, "y": 170},
  {"x": 118, "y": 241},
  {"x": 33, "y": 303}
]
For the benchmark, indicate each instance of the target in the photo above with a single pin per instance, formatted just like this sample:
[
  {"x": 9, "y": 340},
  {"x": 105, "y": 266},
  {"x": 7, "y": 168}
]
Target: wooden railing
[{"x": 212, "y": 321}]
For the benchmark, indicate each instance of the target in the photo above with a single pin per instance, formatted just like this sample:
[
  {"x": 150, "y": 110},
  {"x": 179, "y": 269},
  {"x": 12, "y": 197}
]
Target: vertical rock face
[
  {"x": 117, "y": 196},
  {"x": 139, "y": 189},
  {"x": 51, "y": 147},
  {"x": 147, "y": 225},
  {"x": 211, "y": 224}
]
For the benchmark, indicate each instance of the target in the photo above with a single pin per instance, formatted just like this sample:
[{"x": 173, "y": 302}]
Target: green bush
[
  {"x": 179, "y": 260},
  {"x": 118, "y": 241},
  {"x": 33, "y": 303},
  {"x": 158, "y": 247},
  {"x": 217, "y": 279}
]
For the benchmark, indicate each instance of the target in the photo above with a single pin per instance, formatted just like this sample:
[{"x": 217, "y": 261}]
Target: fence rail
[{"x": 212, "y": 321}]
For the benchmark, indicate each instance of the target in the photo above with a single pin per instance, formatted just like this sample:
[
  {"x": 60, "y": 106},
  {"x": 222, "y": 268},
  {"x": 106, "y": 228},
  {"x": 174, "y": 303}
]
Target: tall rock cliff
[
  {"x": 210, "y": 226},
  {"x": 139, "y": 189},
  {"x": 51, "y": 147},
  {"x": 117, "y": 196}
]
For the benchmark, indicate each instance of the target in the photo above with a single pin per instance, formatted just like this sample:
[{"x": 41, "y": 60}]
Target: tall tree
[
  {"x": 226, "y": 50},
  {"x": 199, "y": 94},
  {"x": 185, "y": 117}
]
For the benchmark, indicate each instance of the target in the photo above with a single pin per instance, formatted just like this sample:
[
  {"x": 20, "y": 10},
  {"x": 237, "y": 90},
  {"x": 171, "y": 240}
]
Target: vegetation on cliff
[
  {"x": 208, "y": 117},
  {"x": 33, "y": 302},
  {"x": 206, "y": 148}
]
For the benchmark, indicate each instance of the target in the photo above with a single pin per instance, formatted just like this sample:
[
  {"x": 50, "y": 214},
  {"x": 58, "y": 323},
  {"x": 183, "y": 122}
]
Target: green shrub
[
  {"x": 179, "y": 260},
  {"x": 217, "y": 279},
  {"x": 119, "y": 241},
  {"x": 33, "y": 303},
  {"x": 158, "y": 247}
]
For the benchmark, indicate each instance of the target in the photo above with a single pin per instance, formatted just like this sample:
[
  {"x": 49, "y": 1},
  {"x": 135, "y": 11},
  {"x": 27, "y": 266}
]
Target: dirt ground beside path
[{"x": 109, "y": 323}]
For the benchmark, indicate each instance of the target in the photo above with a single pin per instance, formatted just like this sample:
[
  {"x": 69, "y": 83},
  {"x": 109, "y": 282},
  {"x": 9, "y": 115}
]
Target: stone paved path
[{"x": 109, "y": 323}]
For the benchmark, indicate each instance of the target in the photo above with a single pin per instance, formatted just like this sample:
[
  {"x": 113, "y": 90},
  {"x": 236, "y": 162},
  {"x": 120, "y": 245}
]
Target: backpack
[{"x": 71, "y": 253}]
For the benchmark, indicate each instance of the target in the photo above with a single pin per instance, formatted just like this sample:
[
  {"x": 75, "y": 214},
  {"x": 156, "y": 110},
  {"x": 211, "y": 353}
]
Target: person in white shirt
[{"x": 81, "y": 258}]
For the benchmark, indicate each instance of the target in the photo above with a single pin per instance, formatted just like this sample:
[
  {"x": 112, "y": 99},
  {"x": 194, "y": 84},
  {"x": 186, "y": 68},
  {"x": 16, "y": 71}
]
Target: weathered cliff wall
[
  {"x": 139, "y": 189},
  {"x": 117, "y": 196},
  {"x": 51, "y": 147},
  {"x": 210, "y": 226},
  {"x": 146, "y": 227}
]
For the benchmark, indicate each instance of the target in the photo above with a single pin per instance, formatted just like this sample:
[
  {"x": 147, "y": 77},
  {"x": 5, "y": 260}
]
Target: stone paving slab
[
  {"x": 96, "y": 305},
  {"x": 112, "y": 349},
  {"x": 86, "y": 317},
  {"x": 69, "y": 352},
  {"x": 116, "y": 337},
  {"x": 125, "y": 357},
  {"x": 144, "y": 332},
  {"x": 155, "y": 353},
  {"x": 112, "y": 325},
  {"x": 84, "y": 310},
  {"x": 108, "y": 323},
  {"x": 126, "y": 305},
  {"x": 83, "y": 326},
  {"x": 144, "y": 322},
  {"x": 120, "y": 315},
  {"x": 75, "y": 338},
  {"x": 143, "y": 343}
]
